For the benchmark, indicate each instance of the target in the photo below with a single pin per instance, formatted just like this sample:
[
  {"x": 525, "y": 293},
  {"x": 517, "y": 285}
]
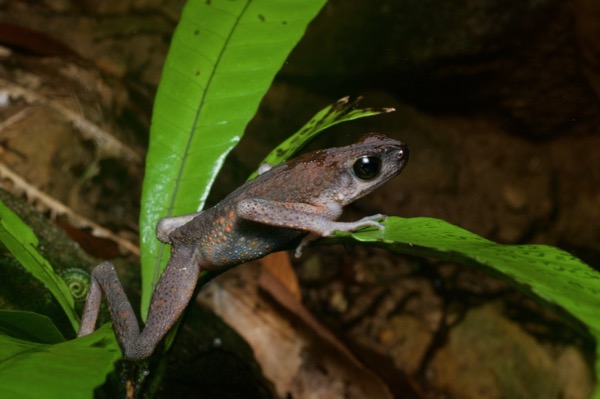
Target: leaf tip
[{"x": 343, "y": 101}]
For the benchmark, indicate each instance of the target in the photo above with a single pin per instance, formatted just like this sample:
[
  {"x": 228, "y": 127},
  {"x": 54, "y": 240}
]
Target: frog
[{"x": 286, "y": 206}]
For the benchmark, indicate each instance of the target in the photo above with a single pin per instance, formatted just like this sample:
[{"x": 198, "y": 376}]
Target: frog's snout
[{"x": 403, "y": 153}]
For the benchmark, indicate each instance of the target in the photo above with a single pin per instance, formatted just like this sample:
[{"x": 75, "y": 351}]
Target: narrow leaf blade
[
  {"x": 22, "y": 243},
  {"x": 223, "y": 57}
]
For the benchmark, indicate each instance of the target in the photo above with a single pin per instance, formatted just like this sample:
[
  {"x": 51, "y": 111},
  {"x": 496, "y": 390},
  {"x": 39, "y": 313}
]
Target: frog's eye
[{"x": 366, "y": 167}]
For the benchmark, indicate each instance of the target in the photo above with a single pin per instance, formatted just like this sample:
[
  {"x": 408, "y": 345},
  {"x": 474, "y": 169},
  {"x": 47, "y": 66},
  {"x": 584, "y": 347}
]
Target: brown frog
[{"x": 286, "y": 206}]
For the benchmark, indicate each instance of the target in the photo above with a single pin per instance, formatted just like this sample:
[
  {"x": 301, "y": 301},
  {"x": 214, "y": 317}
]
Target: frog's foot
[
  {"x": 264, "y": 167},
  {"x": 167, "y": 225},
  {"x": 369, "y": 221}
]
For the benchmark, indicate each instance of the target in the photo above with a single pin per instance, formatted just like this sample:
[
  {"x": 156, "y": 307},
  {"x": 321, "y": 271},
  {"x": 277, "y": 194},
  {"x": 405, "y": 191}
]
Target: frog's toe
[
  {"x": 378, "y": 217},
  {"x": 379, "y": 226}
]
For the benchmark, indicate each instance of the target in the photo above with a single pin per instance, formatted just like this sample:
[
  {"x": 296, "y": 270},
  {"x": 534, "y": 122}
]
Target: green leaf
[
  {"x": 22, "y": 243},
  {"x": 551, "y": 274},
  {"x": 342, "y": 110},
  {"x": 29, "y": 326},
  {"x": 71, "y": 369},
  {"x": 223, "y": 57}
]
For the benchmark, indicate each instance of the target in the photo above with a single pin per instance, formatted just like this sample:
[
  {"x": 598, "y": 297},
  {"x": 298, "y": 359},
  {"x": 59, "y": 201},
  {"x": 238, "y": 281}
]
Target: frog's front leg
[
  {"x": 171, "y": 295},
  {"x": 319, "y": 221}
]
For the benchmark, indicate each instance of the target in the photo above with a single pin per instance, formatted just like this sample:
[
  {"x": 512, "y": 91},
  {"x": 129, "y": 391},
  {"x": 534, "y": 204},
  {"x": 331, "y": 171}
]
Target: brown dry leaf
[
  {"x": 277, "y": 267},
  {"x": 63, "y": 145},
  {"x": 299, "y": 356}
]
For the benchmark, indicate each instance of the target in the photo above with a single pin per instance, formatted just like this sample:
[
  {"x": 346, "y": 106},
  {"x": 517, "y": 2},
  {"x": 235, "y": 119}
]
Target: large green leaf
[
  {"x": 22, "y": 243},
  {"x": 549, "y": 273},
  {"x": 71, "y": 369},
  {"x": 223, "y": 57}
]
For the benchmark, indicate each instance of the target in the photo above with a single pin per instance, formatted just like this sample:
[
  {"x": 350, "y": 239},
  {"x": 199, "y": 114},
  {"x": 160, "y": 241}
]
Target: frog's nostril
[{"x": 403, "y": 152}]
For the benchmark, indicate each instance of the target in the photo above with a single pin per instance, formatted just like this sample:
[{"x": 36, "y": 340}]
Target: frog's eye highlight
[{"x": 366, "y": 167}]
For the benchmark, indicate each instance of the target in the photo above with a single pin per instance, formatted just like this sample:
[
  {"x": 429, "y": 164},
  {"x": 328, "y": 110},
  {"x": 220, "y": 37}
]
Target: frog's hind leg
[
  {"x": 171, "y": 295},
  {"x": 170, "y": 298},
  {"x": 105, "y": 280}
]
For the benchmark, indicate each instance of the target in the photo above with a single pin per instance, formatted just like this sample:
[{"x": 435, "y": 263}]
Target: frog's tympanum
[{"x": 286, "y": 206}]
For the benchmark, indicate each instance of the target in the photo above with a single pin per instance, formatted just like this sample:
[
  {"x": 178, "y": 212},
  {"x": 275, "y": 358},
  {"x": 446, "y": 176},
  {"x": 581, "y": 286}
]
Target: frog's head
[
  {"x": 382, "y": 158},
  {"x": 374, "y": 160},
  {"x": 360, "y": 168},
  {"x": 339, "y": 175}
]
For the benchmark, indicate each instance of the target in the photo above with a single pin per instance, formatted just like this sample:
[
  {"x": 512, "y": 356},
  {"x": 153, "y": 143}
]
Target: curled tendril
[{"x": 78, "y": 281}]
